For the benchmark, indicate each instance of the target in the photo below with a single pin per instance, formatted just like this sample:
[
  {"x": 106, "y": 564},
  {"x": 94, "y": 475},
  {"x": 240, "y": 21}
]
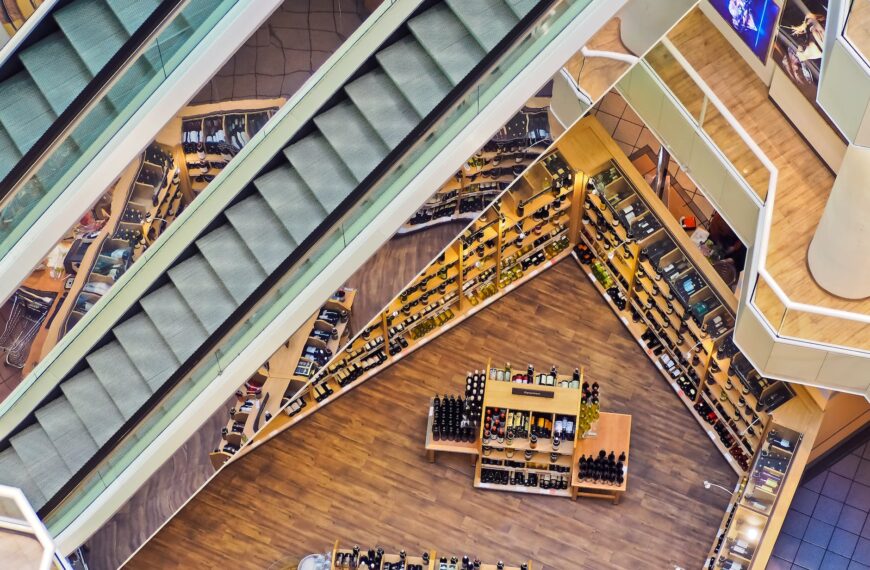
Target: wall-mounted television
[{"x": 753, "y": 20}]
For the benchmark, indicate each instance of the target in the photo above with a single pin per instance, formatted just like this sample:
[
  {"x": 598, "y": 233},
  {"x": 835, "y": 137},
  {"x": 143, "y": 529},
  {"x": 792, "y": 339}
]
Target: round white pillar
[{"x": 839, "y": 255}]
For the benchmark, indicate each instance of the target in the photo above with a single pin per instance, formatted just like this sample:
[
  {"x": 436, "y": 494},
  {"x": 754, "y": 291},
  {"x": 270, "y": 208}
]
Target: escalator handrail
[
  {"x": 428, "y": 123},
  {"x": 85, "y": 101}
]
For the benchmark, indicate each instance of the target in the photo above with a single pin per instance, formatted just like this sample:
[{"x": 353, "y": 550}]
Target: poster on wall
[
  {"x": 753, "y": 20},
  {"x": 799, "y": 43}
]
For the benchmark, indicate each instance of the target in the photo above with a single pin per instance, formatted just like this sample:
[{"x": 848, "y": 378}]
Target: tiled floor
[
  {"x": 827, "y": 527},
  {"x": 285, "y": 51}
]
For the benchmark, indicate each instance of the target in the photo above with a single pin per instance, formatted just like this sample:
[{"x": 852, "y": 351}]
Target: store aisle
[{"x": 357, "y": 470}]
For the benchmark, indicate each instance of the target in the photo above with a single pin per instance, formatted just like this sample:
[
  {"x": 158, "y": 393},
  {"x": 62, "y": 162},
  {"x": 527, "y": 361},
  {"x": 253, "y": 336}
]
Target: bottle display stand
[
  {"x": 375, "y": 558},
  {"x": 529, "y": 435},
  {"x": 446, "y": 446},
  {"x": 288, "y": 370},
  {"x": 614, "y": 432}
]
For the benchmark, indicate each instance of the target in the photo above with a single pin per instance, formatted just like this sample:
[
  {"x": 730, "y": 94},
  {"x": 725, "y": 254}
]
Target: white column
[{"x": 839, "y": 255}]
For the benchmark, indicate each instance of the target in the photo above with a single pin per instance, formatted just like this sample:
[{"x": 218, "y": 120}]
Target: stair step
[
  {"x": 119, "y": 376},
  {"x": 132, "y": 13},
  {"x": 488, "y": 20},
  {"x": 384, "y": 106},
  {"x": 147, "y": 350},
  {"x": 24, "y": 111},
  {"x": 232, "y": 261},
  {"x": 14, "y": 473},
  {"x": 93, "y": 405},
  {"x": 41, "y": 459},
  {"x": 9, "y": 154},
  {"x": 57, "y": 69},
  {"x": 67, "y": 432},
  {"x": 292, "y": 201},
  {"x": 262, "y": 231},
  {"x": 93, "y": 30},
  {"x": 447, "y": 41},
  {"x": 521, "y": 7},
  {"x": 203, "y": 291},
  {"x": 174, "y": 320},
  {"x": 352, "y": 137},
  {"x": 415, "y": 74},
  {"x": 321, "y": 169}
]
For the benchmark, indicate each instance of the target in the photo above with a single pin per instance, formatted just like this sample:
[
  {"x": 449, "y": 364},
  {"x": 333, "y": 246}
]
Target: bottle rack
[
  {"x": 745, "y": 521},
  {"x": 343, "y": 558},
  {"x": 664, "y": 296},
  {"x": 487, "y": 174},
  {"x": 265, "y": 393},
  {"x": 487, "y": 261},
  {"x": 531, "y": 455},
  {"x": 210, "y": 141}
]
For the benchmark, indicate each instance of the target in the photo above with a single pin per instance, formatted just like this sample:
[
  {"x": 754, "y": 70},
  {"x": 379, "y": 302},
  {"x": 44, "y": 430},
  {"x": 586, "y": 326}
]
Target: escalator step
[
  {"x": 147, "y": 349},
  {"x": 119, "y": 376},
  {"x": 174, "y": 320},
  {"x": 57, "y": 70},
  {"x": 14, "y": 473},
  {"x": 93, "y": 405},
  {"x": 262, "y": 231},
  {"x": 415, "y": 74},
  {"x": 233, "y": 262},
  {"x": 67, "y": 433},
  {"x": 521, "y": 7},
  {"x": 352, "y": 138},
  {"x": 93, "y": 30},
  {"x": 131, "y": 13},
  {"x": 447, "y": 41},
  {"x": 488, "y": 20},
  {"x": 292, "y": 201},
  {"x": 321, "y": 169},
  {"x": 381, "y": 102},
  {"x": 24, "y": 112},
  {"x": 202, "y": 291},
  {"x": 41, "y": 459}
]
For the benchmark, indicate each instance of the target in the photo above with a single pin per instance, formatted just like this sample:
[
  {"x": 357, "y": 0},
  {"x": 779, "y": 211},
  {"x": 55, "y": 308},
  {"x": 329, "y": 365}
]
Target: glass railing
[
  {"x": 363, "y": 210},
  {"x": 857, "y": 30},
  {"x": 105, "y": 117},
  {"x": 709, "y": 118}
]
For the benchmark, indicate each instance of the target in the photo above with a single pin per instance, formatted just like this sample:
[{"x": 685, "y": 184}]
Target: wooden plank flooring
[
  {"x": 357, "y": 470},
  {"x": 802, "y": 191}
]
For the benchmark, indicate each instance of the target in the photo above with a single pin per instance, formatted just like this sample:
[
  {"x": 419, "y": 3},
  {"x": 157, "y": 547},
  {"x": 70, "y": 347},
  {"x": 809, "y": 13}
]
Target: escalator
[
  {"x": 281, "y": 208},
  {"x": 42, "y": 79}
]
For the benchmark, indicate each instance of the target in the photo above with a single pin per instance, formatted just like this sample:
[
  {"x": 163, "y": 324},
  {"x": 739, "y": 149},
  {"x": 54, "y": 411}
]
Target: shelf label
[{"x": 532, "y": 392}]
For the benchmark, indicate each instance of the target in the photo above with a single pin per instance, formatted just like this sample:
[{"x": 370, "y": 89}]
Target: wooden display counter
[
  {"x": 614, "y": 435},
  {"x": 447, "y": 446}
]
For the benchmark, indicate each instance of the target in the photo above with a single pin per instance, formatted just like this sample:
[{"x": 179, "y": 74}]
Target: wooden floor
[
  {"x": 393, "y": 266},
  {"x": 356, "y": 470},
  {"x": 378, "y": 280},
  {"x": 804, "y": 181},
  {"x": 597, "y": 75}
]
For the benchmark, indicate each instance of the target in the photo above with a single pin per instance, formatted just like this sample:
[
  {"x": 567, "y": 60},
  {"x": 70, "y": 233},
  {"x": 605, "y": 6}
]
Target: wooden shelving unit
[
  {"x": 282, "y": 377},
  {"x": 211, "y": 140},
  {"x": 433, "y": 562},
  {"x": 486, "y": 175},
  {"x": 546, "y": 403}
]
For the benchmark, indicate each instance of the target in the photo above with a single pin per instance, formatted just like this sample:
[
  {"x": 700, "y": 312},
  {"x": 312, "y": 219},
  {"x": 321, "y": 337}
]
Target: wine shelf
[{"x": 344, "y": 558}]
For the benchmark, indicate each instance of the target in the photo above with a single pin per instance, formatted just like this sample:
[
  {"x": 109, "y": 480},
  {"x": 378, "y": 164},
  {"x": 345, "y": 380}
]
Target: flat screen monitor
[{"x": 753, "y": 20}]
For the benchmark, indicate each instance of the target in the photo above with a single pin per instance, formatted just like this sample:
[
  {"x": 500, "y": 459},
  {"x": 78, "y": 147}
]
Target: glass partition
[
  {"x": 440, "y": 136},
  {"x": 858, "y": 28},
  {"x": 709, "y": 119},
  {"x": 105, "y": 118}
]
